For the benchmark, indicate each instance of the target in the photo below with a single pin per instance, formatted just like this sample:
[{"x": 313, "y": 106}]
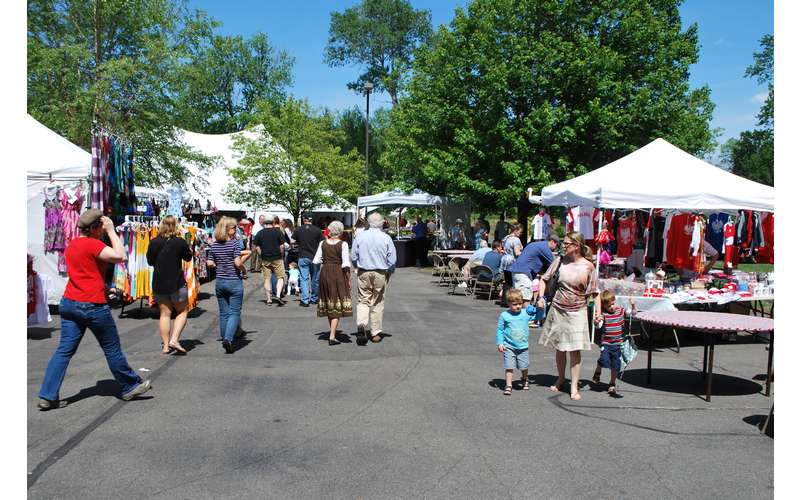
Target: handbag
[{"x": 552, "y": 284}]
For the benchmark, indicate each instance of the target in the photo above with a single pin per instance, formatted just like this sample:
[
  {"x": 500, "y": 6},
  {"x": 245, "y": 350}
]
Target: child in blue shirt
[{"x": 512, "y": 338}]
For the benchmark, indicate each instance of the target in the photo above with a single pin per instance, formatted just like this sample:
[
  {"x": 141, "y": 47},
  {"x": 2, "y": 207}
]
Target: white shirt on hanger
[{"x": 540, "y": 229}]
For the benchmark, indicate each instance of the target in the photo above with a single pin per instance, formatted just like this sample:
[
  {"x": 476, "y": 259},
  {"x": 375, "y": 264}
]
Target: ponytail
[{"x": 586, "y": 252}]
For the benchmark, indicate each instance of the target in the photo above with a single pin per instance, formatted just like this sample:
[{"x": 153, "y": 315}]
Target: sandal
[
  {"x": 612, "y": 389},
  {"x": 526, "y": 386},
  {"x": 556, "y": 387},
  {"x": 575, "y": 397},
  {"x": 507, "y": 392},
  {"x": 177, "y": 347},
  {"x": 596, "y": 378}
]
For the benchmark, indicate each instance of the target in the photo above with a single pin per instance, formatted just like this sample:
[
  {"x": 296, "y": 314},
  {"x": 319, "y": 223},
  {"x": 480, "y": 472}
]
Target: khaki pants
[{"x": 371, "y": 292}]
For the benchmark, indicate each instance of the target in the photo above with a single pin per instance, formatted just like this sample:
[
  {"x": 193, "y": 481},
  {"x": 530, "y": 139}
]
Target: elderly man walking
[{"x": 374, "y": 258}]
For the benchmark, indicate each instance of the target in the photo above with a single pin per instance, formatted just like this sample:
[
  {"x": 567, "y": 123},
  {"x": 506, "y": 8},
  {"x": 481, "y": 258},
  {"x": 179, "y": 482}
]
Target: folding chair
[
  {"x": 457, "y": 278},
  {"x": 439, "y": 268},
  {"x": 491, "y": 284}
]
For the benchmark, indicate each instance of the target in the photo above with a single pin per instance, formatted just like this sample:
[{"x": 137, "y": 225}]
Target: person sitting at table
[
  {"x": 492, "y": 261},
  {"x": 533, "y": 261},
  {"x": 476, "y": 259}
]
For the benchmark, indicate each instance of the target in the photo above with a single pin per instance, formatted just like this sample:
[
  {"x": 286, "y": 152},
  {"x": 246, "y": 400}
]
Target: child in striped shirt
[{"x": 613, "y": 335}]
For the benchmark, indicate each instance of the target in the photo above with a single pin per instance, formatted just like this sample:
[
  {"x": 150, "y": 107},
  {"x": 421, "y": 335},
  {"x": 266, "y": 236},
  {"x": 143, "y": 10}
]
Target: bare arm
[{"x": 116, "y": 252}]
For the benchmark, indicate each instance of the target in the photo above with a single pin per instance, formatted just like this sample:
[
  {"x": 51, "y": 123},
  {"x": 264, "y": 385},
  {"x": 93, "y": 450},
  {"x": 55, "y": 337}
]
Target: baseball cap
[{"x": 89, "y": 217}]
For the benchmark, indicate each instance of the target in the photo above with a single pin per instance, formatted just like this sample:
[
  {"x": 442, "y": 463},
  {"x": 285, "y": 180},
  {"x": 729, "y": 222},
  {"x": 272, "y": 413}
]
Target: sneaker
[
  {"x": 136, "y": 391},
  {"x": 304, "y": 304},
  {"x": 46, "y": 404},
  {"x": 226, "y": 344},
  {"x": 280, "y": 301},
  {"x": 462, "y": 285}
]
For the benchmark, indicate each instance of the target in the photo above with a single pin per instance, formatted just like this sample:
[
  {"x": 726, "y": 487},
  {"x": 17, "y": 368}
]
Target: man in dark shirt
[
  {"x": 420, "y": 231},
  {"x": 502, "y": 228},
  {"x": 308, "y": 237},
  {"x": 269, "y": 245}
]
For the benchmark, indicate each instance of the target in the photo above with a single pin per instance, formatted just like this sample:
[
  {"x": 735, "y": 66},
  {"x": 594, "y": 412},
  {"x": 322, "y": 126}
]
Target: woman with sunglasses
[{"x": 566, "y": 328}]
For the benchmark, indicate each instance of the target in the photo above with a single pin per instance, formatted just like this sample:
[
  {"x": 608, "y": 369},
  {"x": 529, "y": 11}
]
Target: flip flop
[
  {"x": 575, "y": 397},
  {"x": 556, "y": 387},
  {"x": 177, "y": 347}
]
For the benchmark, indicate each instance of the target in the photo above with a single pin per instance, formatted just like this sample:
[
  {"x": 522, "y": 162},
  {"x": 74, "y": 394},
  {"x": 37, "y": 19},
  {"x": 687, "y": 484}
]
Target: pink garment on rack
[{"x": 70, "y": 212}]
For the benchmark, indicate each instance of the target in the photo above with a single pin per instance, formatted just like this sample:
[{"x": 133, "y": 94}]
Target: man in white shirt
[{"x": 255, "y": 258}]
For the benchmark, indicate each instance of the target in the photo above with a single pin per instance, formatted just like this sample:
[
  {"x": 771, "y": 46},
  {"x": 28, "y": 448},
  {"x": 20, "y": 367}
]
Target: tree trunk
[{"x": 523, "y": 209}]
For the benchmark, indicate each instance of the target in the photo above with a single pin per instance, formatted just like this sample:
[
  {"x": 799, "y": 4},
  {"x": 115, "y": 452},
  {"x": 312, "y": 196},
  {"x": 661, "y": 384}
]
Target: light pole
[{"x": 368, "y": 88}]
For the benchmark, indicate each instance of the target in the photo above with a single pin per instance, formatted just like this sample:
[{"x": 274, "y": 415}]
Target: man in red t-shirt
[{"x": 84, "y": 306}]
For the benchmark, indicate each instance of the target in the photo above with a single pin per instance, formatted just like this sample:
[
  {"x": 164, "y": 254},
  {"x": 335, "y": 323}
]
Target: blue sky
[{"x": 729, "y": 33}]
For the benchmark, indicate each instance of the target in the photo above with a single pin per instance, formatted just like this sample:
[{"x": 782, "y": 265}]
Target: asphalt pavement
[{"x": 419, "y": 415}]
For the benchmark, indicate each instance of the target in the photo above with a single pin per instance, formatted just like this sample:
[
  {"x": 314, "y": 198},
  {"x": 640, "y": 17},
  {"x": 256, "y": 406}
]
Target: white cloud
[
  {"x": 760, "y": 97},
  {"x": 720, "y": 41}
]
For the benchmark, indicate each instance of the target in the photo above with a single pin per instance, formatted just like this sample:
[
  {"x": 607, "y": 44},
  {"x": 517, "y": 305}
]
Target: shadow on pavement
[
  {"x": 341, "y": 337},
  {"x": 41, "y": 333},
  {"x": 758, "y": 421},
  {"x": 103, "y": 388},
  {"x": 690, "y": 382}
]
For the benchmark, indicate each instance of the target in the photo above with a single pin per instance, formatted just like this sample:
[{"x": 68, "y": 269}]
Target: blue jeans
[
  {"x": 75, "y": 318},
  {"x": 230, "y": 294},
  {"x": 309, "y": 275}
]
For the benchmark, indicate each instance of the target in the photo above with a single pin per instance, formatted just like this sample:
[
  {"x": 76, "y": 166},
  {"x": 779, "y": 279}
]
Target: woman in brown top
[
  {"x": 566, "y": 328},
  {"x": 334, "y": 279}
]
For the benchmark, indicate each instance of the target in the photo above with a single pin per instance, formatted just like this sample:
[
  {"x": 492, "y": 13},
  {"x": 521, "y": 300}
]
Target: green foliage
[
  {"x": 111, "y": 60},
  {"x": 380, "y": 35},
  {"x": 525, "y": 93},
  {"x": 752, "y": 154},
  {"x": 294, "y": 161},
  {"x": 225, "y": 76},
  {"x": 143, "y": 68},
  {"x": 762, "y": 70},
  {"x": 351, "y": 123}
]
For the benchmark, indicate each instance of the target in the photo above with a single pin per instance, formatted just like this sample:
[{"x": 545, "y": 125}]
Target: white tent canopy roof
[
  {"x": 660, "y": 175},
  {"x": 57, "y": 158},
  {"x": 54, "y": 155},
  {"x": 399, "y": 198},
  {"x": 221, "y": 145}
]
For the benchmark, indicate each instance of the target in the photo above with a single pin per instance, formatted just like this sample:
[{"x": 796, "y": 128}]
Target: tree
[
  {"x": 217, "y": 90},
  {"x": 752, "y": 154},
  {"x": 380, "y": 35},
  {"x": 351, "y": 122},
  {"x": 293, "y": 161},
  {"x": 110, "y": 61},
  {"x": 762, "y": 71},
  {"x": 525, "y": 93}
]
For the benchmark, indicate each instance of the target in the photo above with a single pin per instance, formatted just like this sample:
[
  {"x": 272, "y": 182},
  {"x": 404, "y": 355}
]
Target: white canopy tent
[
  {"x": 660, "y": 175},
  {"x": 221, "y": 146},
  {"x": 398, "y": 197},
  {"x": 57, "y": 162}
]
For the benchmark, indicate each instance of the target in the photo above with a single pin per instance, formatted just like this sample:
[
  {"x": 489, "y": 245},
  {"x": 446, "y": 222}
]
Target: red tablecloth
[{"x": 708, "y": 321}]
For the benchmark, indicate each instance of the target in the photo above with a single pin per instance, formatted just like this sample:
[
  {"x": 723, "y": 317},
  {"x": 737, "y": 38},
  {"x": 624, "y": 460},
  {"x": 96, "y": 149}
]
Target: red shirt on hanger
[
  {"x": 679, "y": 238},
  {"x": 626, "y": 232}
]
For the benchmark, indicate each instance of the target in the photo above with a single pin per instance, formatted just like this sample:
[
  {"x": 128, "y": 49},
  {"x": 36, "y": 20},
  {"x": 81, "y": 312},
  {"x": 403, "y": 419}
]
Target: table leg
[
  {"x": 649, "y": 354},
  {"x": 677, "y": 343},
  {"x": 710, "y": 367},
  {"x": 705, "y": 355},
  {"x": 769, "y": 360}
]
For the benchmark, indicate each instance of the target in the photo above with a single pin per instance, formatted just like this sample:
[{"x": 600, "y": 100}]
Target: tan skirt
[{"x": 566, "y": 330}]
